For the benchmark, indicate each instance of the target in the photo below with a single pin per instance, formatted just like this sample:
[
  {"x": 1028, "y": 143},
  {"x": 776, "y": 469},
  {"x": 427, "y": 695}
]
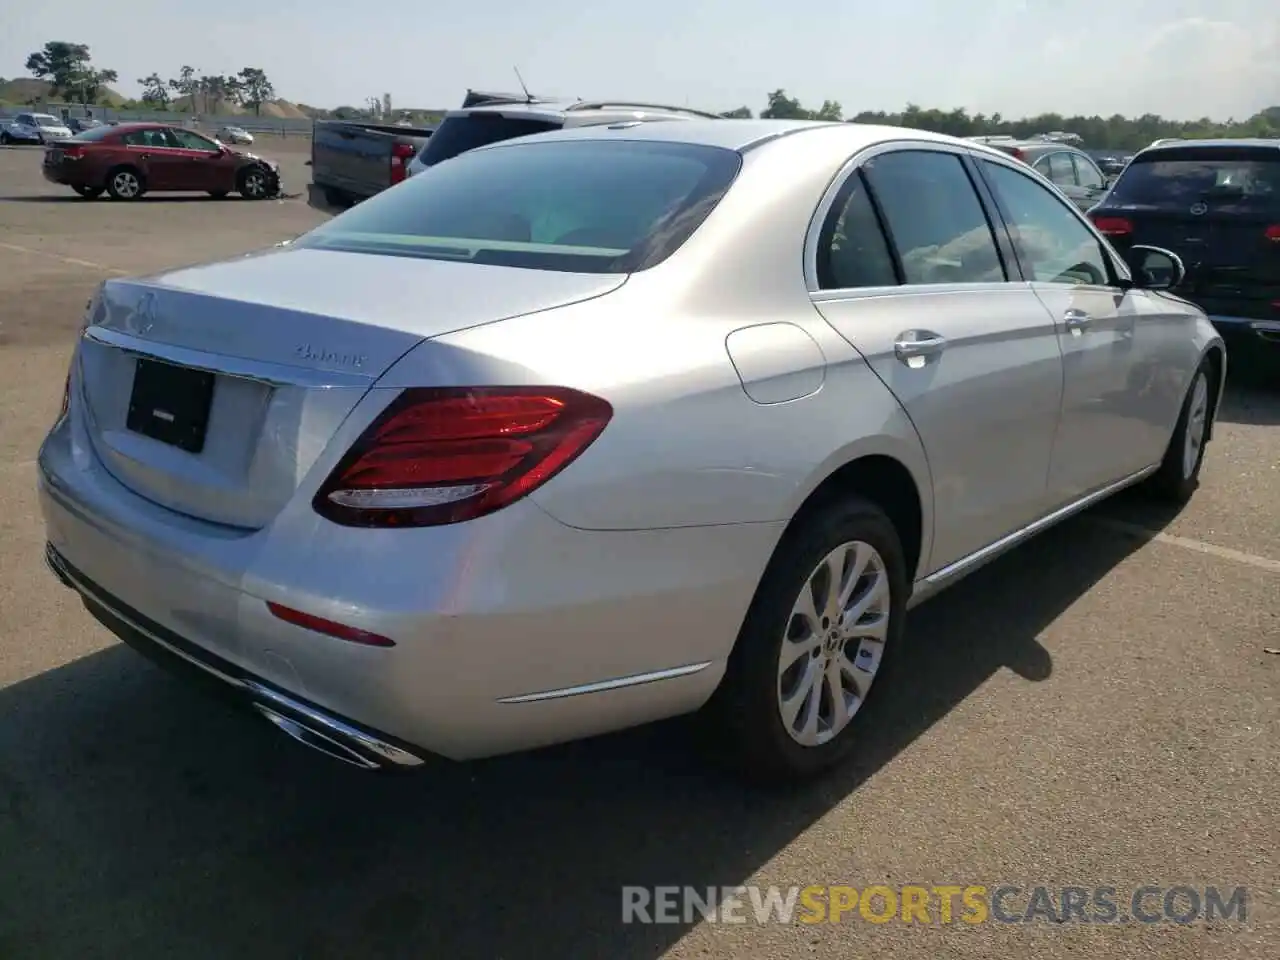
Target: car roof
[
  {"x": 142, "y": 125},
  {"x": 1040, "y": 145},
  {"x": 1181, "y": 146},
  {"x": 742, "y": 135}
]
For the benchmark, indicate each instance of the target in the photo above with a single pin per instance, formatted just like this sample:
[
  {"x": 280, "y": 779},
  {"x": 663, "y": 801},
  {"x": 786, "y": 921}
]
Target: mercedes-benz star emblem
[{"x": 1199, "y": 209}]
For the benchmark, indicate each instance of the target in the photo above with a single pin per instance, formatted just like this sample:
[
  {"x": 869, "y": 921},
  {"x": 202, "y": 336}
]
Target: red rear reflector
[
  {"x": 1273, "y": 232},
  {"x": 329, "y": 628},
  {"x": 445, "y": 455},
  {"x": 1113, "y": 226}
]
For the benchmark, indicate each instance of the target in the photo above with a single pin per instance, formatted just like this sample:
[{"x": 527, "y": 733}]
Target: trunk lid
[{"x": 273, "y": 352}]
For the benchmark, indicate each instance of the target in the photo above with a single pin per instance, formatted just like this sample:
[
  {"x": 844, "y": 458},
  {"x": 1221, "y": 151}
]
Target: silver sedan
[{"x": 584, "y": 430}]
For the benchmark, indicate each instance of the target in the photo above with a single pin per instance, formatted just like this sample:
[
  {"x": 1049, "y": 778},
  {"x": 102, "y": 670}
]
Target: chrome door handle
[
  {"x": 918, "y": 343},
  {"x": 1076, "y": 319}
]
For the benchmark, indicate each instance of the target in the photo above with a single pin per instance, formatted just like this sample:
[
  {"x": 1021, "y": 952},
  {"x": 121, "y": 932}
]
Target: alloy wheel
[
  {"x": 834, "y": 643},
  {"x": 126, "y": 184}
]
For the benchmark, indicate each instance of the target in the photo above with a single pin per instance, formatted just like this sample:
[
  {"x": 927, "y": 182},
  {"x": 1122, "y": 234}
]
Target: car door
[
  {"x": 207, "y": 167},
  {"x": 1117, "y": 344},
  {"x": 161, "y": 163},
  {"x": 1090, "y": 181},
  {"x": 912, "y": 274}
]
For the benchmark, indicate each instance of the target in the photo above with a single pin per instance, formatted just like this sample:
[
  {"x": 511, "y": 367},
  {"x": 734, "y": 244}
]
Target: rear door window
[
  {"x": 1057, "y": 167},
  {"x": 934, "y": 217},
  {"x": 153, "y": 138},
  {"x": 462, "y": 132}
]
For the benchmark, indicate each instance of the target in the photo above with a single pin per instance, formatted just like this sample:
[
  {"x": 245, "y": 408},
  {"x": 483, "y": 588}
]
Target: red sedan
[{"x": 131, "y": 159}]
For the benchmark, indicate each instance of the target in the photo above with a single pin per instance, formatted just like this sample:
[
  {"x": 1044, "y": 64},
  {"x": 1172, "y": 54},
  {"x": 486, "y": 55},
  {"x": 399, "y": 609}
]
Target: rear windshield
[
  {"x": 1223, "y": 178},
  {"x": 94, "y": 133},
  {"x": 586, "y": 206},
  {"x": 464, "y": 132}
]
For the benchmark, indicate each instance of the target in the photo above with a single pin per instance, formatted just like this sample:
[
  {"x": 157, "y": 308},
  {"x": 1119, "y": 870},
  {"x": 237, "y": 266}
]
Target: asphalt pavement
[{"x": 1096, "y": 709}]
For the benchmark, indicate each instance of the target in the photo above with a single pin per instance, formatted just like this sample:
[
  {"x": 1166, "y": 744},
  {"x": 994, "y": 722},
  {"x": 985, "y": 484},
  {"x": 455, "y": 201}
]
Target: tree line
[
  {"x": 1115, "y": 132},
  {"x": 68, "y": 69},
  {"x": 70, "y": 72},
  {"x": 249, "y": 88}
]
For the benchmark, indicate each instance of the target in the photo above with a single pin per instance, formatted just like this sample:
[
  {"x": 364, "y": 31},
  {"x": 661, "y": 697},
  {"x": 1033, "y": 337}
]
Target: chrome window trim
[{"x": 850, "y": 168}]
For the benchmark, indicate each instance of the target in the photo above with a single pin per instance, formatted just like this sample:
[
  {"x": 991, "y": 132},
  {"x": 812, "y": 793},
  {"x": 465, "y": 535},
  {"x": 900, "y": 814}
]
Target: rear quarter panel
[{"x": 687, "y": 446}]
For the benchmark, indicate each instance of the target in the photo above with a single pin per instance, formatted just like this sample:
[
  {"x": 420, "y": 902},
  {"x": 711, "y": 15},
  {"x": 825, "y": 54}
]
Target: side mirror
[{"x": 1155, "y": 268}]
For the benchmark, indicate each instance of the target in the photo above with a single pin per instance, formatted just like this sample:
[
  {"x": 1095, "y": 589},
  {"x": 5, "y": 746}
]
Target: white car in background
[
  {"x": 34, "y": 128},
  {"x": 235, "y": 135}
]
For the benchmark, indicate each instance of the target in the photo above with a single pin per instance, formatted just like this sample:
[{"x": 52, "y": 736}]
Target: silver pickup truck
[{"x": 351, "y": 160}]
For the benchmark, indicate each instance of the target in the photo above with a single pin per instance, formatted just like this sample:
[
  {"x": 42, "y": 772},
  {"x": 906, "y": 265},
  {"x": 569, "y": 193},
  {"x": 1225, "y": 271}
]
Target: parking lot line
[
  {"x": 1199, "y": 546},
  {"x": 54, "y": 256}
]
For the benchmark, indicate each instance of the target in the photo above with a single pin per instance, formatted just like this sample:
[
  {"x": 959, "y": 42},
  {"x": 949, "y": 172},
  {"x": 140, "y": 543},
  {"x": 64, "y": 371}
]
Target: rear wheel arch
[{"x": 884, "y": 481}]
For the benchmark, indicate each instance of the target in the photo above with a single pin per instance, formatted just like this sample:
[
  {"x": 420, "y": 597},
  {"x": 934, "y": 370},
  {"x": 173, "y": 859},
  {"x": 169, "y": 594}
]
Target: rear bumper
[
  {"x": 512, "y": 632},
  {"x": 58, "y": 175},
  {"x": 337, "y": 736}
]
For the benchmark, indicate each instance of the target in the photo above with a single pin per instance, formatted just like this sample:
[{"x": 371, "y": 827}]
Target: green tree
[
  {"x": 68, "y": 69},
  {"x": 830, "y": 110},
  {"x": 185, "y": 85},
  {"x": 255, "y": 89},
  {"x": 155, "y": 92},
  {"x": 782, "y": 107}
]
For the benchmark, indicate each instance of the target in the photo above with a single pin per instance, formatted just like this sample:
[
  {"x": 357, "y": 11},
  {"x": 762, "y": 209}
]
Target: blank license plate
[{"x": 171, "y": 404}]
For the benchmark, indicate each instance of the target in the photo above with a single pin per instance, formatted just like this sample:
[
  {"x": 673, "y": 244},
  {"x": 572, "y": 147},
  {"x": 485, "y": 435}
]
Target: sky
[{"x": 1182, "y": 59}]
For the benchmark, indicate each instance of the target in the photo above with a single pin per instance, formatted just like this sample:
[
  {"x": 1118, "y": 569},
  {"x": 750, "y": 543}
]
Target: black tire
[
  {"x": 1179, "y": 473},
  {"x": 255, "y": 183},
  {"x": 5, "y": 138},
  {"x": 89, "y": 193},
  {"x": 119, "y": 179},
  {"x": 742, "y": 724},
  {"x": 218, "y": 194}
]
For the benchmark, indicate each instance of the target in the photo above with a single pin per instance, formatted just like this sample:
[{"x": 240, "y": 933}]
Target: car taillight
[
  {"x": 441, "y": 455},
  {"x": 72, "y": 152},
  {"x": 401, "y": 154},
  {"x": 1018, "y": 154},
  {"x": 1273, "y": 233},
  {"x": 1113, "y": 226}
]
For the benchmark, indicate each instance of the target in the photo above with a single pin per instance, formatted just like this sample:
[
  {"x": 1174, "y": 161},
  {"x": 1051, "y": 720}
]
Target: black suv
[{"x": 1216, "y": 204}]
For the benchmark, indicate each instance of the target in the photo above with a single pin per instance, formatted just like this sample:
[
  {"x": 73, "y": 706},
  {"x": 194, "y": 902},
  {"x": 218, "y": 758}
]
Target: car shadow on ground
[{"x": 138, "y": 818}]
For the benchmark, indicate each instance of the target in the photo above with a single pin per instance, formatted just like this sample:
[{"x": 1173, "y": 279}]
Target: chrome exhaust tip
[{"x": 316, "y": 740}]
